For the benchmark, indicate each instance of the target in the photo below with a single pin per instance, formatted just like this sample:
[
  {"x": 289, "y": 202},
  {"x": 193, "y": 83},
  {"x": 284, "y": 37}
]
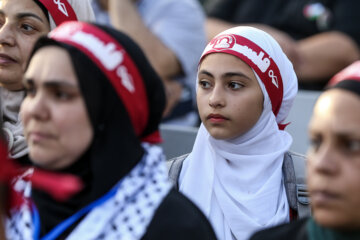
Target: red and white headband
[
  {"x": 60, "y": 10},
  {"x": 114, "y": 62},
  {"x": 257, "y": 58},
  {"x": 350, "y": 72}
]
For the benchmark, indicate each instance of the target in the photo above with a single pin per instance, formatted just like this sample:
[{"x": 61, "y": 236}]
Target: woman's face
[
  {"x": 229, "y": 97},
  {"x": 21, "y": 24},
  {"x": 333, "y": 167},
  {"x": 56, "y": 124}
]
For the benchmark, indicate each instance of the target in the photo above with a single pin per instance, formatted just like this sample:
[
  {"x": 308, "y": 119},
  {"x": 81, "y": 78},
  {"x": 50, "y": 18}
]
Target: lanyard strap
[{"x": 60, "y": 228}]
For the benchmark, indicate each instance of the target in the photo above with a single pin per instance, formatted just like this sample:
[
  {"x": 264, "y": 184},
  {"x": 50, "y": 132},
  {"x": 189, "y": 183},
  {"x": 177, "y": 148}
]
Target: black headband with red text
[
  {"x": 264, "y": 66},
  {"x": 60, "y": 10},
  {"x": 114, "y": 62}
]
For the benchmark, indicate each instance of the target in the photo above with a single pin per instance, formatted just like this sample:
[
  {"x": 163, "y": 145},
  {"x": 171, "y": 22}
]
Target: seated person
[
  {"x": 320, "y": 37},
  {"x": 92, "y": 110},
  {"x": 333, "y": 170},
  {"x": 172, "y": 35},
  {"x": 245, "y": 89}
]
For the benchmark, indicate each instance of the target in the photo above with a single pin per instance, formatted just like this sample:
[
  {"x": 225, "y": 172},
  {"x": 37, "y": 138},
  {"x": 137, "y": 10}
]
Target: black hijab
[
  {"x": 115, "y": 148},
  {"x": 352, "y": 85}
]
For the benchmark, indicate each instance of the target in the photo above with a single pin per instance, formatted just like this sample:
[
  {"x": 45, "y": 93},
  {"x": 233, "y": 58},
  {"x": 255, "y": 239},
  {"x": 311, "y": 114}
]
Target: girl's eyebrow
[
  {"x": 236, "y": 74},
  {"x": 226, "y": 75},
  {"x": 206, "y": 73}
]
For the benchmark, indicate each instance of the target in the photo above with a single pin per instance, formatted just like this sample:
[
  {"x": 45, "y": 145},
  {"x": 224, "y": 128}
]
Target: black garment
[
  {"x": 24, "y": 160},
  {"x": 295, "y": 231},
  {"x": 289, "y": 17},
  {"x": 177, "y": 218}
]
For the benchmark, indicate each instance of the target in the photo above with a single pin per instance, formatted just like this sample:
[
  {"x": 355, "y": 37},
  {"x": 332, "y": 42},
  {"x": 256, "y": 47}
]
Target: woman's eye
[
  {"x": 204, "y": 84},
  {"x": 353, "y": 145},
  {"x": 62, "y": 95},
  {"x": 235, "y": 85},
  {"x": 27, "y": 27},
  {"x": 30, "y": 91},
  {"x": 315, "y": 143}
]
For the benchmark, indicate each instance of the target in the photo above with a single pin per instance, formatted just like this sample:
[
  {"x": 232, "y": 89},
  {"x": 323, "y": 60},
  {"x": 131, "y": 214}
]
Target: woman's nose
[
  {"x": 35, "y": 107},
  {"x": 7, "y": 35},
  {"x": 325, "y": 159}
]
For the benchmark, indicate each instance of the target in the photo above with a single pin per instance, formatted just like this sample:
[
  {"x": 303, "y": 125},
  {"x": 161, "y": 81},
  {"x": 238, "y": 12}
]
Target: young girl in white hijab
[{"x": 246, "y": 86}]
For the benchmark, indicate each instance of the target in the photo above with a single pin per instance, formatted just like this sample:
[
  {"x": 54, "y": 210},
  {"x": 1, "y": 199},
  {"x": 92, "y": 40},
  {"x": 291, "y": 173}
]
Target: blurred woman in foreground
[
  {"x": 333, "y": 169},
  {"x": 92, "y": 110}
]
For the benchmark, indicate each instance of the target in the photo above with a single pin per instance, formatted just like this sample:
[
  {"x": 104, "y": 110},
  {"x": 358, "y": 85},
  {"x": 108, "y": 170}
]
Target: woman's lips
[
  {"x": 6, "y": 59},
  {"x": 39, "y": 136},
  {"x": 323, "y": 197}
]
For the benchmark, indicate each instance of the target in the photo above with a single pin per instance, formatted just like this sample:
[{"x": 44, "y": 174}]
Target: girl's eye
[
  {"x": 204, "y": 84},
  {"x": 235, "y": 85}
]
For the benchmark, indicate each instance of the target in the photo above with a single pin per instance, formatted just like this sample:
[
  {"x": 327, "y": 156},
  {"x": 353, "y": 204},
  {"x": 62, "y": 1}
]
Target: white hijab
[
  {"x": 82, "y": 9},
  {"x": 238, "y": 183},
  {"x": 10, "y": 101}
]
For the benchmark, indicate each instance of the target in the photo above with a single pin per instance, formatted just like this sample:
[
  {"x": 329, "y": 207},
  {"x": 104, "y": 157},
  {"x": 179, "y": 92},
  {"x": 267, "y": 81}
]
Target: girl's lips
[{"x": 216, "y": 118}]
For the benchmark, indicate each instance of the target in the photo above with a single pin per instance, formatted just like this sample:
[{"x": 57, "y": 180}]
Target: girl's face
[
  {"x": 21, "y": 24},
  {"x": 56, "y": 124},
  {"x": 333, "y": 168},
  {"x": 229, "y": 97}
]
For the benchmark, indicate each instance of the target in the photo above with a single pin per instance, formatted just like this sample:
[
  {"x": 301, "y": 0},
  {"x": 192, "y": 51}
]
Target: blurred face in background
[
  {"x": 22, "y": 22},
  {"x": 333, "y": 168},
  {"x": 229, "y": 97},
  {"x": 56, "y": 124}
]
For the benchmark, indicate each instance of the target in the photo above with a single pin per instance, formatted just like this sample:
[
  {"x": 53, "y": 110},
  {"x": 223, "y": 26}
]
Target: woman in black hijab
[{"x": 92, "y": 110}]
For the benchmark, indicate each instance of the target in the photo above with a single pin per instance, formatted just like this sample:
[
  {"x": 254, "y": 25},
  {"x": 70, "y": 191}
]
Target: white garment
[
  {"x": 238, "y": 183},
  {"x": 82, "y": 9},
  {"x": 10, "y": 102}
]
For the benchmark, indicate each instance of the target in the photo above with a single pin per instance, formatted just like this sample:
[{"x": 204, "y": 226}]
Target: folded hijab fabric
[
  {"x": 11, "y": 100},
  {"x": 122, "y": 171},
  {"x": 238, "y": 183},
  {"x": 12, "y": 126}
]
